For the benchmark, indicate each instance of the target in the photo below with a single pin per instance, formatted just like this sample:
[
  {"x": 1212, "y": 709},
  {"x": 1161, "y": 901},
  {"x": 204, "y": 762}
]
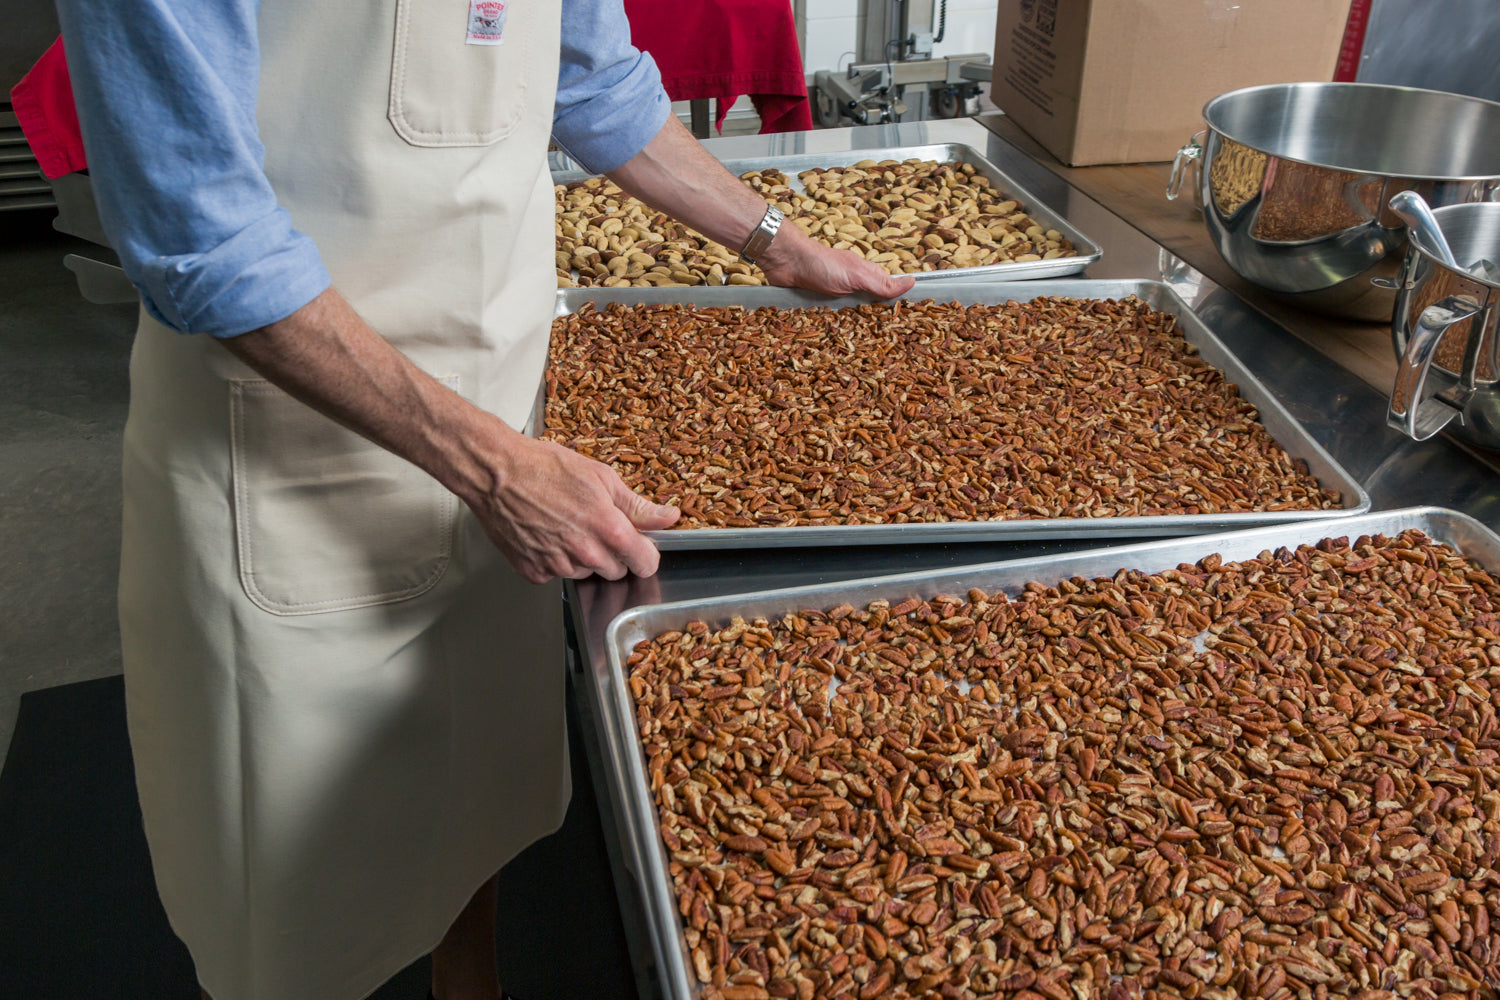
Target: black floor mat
[{"x": 79, "y": 915}]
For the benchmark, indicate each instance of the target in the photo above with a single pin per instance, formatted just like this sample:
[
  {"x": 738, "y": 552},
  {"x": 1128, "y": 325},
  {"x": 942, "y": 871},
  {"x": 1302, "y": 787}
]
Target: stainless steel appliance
[
  {"x": 895, "y": 75},
  {"x": 1295, "y": 179}
]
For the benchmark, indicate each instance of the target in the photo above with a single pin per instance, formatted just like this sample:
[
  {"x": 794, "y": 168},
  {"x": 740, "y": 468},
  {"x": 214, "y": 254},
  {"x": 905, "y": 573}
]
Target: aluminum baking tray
[
  {"x": 947, "y": 152},
  {"x": 614, "y": 709},
  {"x": 1282, "y": 426}
]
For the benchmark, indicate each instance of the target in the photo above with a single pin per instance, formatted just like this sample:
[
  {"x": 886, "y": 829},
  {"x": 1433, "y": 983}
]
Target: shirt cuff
[
  {"x": 262, "y": 274},
  {"x": 608, "y": 130}
]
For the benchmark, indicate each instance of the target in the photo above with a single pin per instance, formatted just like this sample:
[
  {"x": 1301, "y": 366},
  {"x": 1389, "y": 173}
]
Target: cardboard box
[{"x": 1125, "y": 81}]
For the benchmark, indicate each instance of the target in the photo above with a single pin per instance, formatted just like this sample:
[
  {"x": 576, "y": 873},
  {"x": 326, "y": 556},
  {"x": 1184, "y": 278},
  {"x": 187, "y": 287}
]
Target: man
[{"x": 344, "y": 685}]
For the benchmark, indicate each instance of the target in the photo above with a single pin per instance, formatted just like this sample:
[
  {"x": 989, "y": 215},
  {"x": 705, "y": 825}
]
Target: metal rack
[
  {"x": 101, "y": 280},
  {"x": 22, "y": 185}
]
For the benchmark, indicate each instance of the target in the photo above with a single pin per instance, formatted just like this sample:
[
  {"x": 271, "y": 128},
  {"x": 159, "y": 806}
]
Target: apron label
[{"x": 487, "y": 22}]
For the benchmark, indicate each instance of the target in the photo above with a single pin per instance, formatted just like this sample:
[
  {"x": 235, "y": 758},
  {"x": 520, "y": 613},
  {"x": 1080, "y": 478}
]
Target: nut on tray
[
  {"x": 1275, "y": 777},
  {"x": 910, "y": 216},
  {"x": 910, "y": 413}
]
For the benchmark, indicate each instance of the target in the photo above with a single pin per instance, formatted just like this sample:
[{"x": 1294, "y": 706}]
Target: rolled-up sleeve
[
  {"x": 610, "y": 101},
  {"x": 166, "y": 94}
]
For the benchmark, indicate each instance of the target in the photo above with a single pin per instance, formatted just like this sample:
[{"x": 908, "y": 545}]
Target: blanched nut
[
  {"x": 606, "y": 238},
  {"x": 920, "y": 215},
  {"x": 906, "y": 216}
]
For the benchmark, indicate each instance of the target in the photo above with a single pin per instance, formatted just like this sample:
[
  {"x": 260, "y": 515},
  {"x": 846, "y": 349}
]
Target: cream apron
[{"x": 346, "y": 711}]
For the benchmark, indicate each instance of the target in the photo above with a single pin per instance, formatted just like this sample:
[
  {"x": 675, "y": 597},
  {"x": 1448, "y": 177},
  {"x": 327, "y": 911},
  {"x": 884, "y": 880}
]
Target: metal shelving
[{"x": 21, "y": 182}]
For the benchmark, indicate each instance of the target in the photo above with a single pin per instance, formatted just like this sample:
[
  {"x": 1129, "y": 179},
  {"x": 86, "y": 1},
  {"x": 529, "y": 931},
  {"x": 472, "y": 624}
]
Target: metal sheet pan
[
  {"x": 947, "y": 152},
  {"x": 637, "y": 828},
  {"x": 1282, "y": 426}
]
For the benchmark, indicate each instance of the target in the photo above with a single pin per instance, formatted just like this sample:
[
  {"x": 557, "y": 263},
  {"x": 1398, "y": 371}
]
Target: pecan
[
  {"x": 1315, "y": 816},
  {"x": 915, "y": 413}
]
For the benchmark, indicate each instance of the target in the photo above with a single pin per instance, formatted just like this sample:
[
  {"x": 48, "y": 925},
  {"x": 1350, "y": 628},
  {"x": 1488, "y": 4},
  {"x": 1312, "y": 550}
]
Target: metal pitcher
[{"x": 1445, "y": 331}]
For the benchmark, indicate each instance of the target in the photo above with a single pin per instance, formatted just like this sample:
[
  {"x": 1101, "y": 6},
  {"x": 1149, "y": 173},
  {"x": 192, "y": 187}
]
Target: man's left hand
[{"x": 795, "y": 259}]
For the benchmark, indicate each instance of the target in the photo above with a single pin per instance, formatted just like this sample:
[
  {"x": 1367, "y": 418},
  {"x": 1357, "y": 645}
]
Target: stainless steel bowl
[{"x": 1295, "y": 179}]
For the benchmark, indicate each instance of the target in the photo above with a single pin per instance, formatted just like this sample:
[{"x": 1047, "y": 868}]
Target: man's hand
[
  {"x": 795, "y": 259},
  {"x": 551, "y": 511},
  {"x": 555, "y": 513}
]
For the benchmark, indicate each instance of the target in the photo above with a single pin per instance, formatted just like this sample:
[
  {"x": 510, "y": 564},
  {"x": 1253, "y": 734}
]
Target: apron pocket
[
  {"x": 324, "y": 519},
  {"x": 453, "y": 83}
]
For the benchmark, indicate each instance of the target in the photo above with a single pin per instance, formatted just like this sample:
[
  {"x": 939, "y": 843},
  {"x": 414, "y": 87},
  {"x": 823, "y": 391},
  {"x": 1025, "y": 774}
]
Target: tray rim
[
  {"x": 617, "y": 708},
  {"x": 1156, "y": 293},
  {"x": 1405, "y": 517},
  {"x": 1089, "y": 250}
]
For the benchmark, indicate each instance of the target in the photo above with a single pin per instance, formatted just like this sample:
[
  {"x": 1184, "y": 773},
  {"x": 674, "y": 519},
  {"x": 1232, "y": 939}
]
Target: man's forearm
[
  {"x": 328, "y": 357},
  {"x": 675, "y": 174},
  {"x": 550, "y": 511}
]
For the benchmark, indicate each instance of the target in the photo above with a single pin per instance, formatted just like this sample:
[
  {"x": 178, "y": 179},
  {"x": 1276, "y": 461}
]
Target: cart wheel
[
  {"x": 825, "y": 111},
  {"x": 947, "y": 103}
]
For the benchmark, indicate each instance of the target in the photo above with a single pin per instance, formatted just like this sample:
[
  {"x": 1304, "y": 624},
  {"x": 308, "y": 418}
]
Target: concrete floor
[{"x": 63, "y": 390}]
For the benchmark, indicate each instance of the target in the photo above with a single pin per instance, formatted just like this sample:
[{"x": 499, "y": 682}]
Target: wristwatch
[{"x": 760, "y": 240}]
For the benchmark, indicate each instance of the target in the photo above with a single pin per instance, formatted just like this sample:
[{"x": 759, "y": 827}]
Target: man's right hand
[
  {"x": 555, "y": 513},
  {"x": 552, "y": 512}
]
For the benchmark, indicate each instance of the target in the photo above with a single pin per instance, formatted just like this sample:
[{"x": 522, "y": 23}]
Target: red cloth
[
  {"x": 43, "y": 102},
  {"x": 725, "y": 48}
]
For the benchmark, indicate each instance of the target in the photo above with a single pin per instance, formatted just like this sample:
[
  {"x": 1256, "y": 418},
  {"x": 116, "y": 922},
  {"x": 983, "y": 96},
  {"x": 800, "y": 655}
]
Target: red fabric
[
  {"x": 43, "y": 102},
  {"x": 724, "y": 48}
]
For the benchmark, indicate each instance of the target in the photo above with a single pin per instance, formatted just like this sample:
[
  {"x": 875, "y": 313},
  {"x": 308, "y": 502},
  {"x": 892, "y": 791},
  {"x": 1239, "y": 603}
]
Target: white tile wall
[
  {"x": 831, "y": 42},
  {"x": 970, "y": 29},
  {"x": 821, "y": 9}
]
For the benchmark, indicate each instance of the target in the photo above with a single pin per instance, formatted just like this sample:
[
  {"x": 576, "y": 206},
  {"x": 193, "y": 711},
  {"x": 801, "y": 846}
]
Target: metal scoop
[{"x": 1417, "y": 214}]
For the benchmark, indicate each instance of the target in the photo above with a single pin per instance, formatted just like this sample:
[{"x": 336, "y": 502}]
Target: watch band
[{"x": 760, "y": 240}]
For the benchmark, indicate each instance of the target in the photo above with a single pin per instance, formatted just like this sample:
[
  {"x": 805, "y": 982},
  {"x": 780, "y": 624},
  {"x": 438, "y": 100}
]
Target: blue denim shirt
[{"x": 166, "y": 97}]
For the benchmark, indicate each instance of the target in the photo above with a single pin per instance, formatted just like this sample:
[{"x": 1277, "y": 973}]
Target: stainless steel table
[{"x": 1346, "y": 416}]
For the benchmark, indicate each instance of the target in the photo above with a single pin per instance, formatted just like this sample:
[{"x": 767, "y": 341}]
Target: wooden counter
[{"x": 1137, "y": 193}]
